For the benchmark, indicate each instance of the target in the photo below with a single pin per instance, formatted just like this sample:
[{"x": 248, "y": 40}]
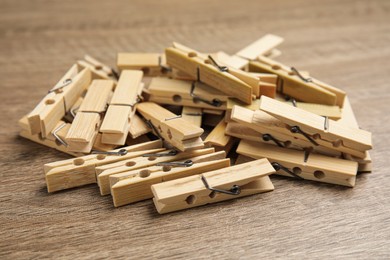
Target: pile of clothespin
[{"x": 188, "y": 128}]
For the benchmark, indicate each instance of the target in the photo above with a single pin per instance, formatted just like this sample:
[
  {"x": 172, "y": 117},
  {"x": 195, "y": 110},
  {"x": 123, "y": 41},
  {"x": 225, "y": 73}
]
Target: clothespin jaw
[
  {"x": 208, "y": 72},
  {"x": 214, "y": 186},
  {"x": 301, "y": 164}
]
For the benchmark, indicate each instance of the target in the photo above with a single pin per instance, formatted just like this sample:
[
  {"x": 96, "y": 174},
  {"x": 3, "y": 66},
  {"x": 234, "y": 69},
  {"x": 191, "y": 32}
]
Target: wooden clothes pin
[
  {"x": 115, "y": 126},
  {"x": 84, "y": 129},
  {"x": 121, "y": 169},
  {"x": 232, "y": 61},
  {"x": 99, "y": 70},
  {"x": 186, "y": 93},
  {"x": 317, "y": 129},
  {"x": 138, "y": 127},
  {"x": 214, "y": 186},
  {"x": 54, "y": 140},
  {"x": 204, "y": 69},
  {"x": 332, "y": 112},
  {"x": 266, "y": 128},
  {"x": 58, "y": 101},
  {"x": 152, "y": 64},
  {"x": 261, "y": 47},
  {"x": 218, "y": 139},
  {"x": 233, "y": 102},
  {"x": 265, "y": 46},
  {"x": 192, "y": 115},
  {"x": 80, "y": 171},
  {"x": 303, "y": 165},
  {"x": 136, "y": 186},
  {"x": 171, "y": 127},
  {"x": 348, "y": 118},
  {"x": 293, "y": 84}
]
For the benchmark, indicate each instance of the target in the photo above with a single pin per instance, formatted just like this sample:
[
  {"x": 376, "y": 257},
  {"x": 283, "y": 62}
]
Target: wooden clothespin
[
  {"x": 332, "y": 112},
  {"x": 138, "y": 127},
  {"x": 205, "y": 69},
  {"x": 271, "y": 130},
  {"x": 80, "y": 171},
  {"x": 234, "y": 102},
  {"x": 218, "y": 139},
  {"x": 170, "y": 127},
  {"x": 348, "y": 118},
  {"x": 50, "y": 141},
  {"x": 186, "y": 93},
  {"x": 115, "y": 126},
  {"x": 318, "y": 130},
  {"x": 99, "y": 70},
  {"x": 293, "y": 84},
  {"x": 84, "y": 129},
  {"x": 267, "y": 84},
  {"x": 303, "y": 165},
  {"x": 192, "y": 115},
  {"x": 265, "y": 46},
  {"x": 136, "y": 186},
  {"x": 214, "y": 186},
  {"x": 152, "y": 64},
  {"x": 122, "y": 168},
  {"x": 58, "y": 101}
]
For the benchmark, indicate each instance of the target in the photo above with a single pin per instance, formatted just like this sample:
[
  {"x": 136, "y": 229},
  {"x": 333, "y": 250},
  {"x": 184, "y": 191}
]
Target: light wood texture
[
  {"x": 97, "y": 96},
  {"x": 122, "y": 169},
  {"x": 191, "y": 63},
  {"x": 232, "y": 61},
  {"x": 136, "y": 187},
  {"x": 344, "y": 43},
  {"x": 55, "y": 104},
  {"x": 332, "y": 112},
  {"x": 152, "y": 64},
  {"x": 192, "y": 115},
  {"x": 260, "y": 47},
  {"x": 138, "y": 127},
  {"x": 115, "y": 125},
  {"x": 184, "y": 93},
  {"x": 218, "y": 139},
  {"x": 171, "y": 127},
  {"x": 189, "y": 192},
  {"x": 81, "y": 171},
  {"x": 316, "y": 168}
]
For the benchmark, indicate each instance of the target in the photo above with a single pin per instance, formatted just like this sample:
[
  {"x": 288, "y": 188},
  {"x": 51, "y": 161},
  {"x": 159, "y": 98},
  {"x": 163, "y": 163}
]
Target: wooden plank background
[{"x": 345, "y": 43}]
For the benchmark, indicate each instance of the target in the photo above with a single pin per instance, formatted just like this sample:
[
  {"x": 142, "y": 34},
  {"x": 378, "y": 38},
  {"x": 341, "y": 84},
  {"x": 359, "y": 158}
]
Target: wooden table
[{"x": 344, "y": 43}]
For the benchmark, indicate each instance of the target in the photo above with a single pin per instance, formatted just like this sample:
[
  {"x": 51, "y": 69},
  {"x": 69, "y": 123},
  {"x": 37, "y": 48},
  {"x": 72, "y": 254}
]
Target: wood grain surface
[{"x": 344, "y": 43}]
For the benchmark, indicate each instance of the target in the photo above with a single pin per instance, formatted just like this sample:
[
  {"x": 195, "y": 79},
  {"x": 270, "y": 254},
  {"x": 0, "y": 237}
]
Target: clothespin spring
[{"x": 234, "y": 190}]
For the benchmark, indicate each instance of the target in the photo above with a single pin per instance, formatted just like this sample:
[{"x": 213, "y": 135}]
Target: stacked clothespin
[{"x": 162, "y": 126}]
